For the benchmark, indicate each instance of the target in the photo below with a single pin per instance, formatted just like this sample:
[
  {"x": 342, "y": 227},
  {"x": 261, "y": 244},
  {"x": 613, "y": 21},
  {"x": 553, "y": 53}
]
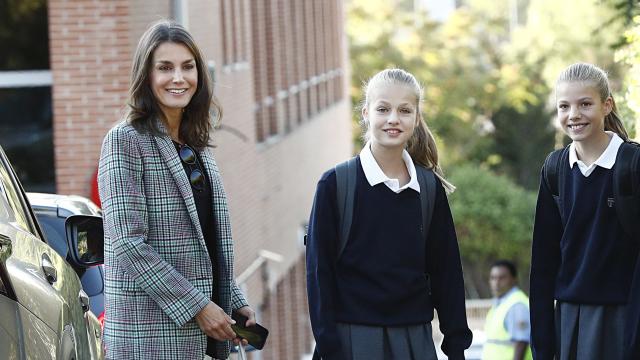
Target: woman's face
[
  {"x": 391, "y": 115},
  {"x": 174, "y": 78}
]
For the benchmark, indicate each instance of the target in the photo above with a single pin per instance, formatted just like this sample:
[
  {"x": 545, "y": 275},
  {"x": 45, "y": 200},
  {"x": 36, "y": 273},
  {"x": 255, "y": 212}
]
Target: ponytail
[
  {"x": 422, "y": 149},
  {"x": 612, "y": 122}
]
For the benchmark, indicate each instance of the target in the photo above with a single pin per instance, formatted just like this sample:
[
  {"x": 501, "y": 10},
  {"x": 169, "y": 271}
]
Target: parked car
[
  {"x": 44, "y": 312},
  {"x": 52, "y": 210}
]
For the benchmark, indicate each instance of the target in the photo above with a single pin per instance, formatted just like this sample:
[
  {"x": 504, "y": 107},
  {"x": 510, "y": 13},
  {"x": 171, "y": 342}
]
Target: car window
[
  {"x": 17, "y": 213},
  {"x": 3, "y": 257},
  {"x": 92, "y": 281},
  {"x": 6, "y": 214},
  {"x": 54, "y": 231}
]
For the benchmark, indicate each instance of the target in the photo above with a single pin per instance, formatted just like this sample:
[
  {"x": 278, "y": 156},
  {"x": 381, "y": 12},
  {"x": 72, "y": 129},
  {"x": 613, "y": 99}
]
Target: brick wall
[
  {"x": 298, "y": 67},
  {"x": 286, "y": 309},
  {"x": 280, "y": 70},
  {"x": 90, "y": 61}
]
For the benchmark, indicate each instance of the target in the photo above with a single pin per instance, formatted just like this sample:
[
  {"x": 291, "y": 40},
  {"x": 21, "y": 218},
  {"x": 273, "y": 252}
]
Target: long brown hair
[
  {"x": 595, "y": 76},
  {"x": 142, "y": 107},
  {"x": 422, "y": 145}
]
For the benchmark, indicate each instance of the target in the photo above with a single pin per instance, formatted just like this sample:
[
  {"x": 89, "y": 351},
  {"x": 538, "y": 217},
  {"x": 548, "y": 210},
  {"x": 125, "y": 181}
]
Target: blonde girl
[
  {"x": 581, "y": 256},
  {"x": 376, "y": 300}
]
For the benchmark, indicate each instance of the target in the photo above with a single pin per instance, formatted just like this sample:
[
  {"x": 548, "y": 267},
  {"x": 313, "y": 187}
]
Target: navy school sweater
[
  {"x": 588, "y": 261},
  {"x": 380, "y": 279}
]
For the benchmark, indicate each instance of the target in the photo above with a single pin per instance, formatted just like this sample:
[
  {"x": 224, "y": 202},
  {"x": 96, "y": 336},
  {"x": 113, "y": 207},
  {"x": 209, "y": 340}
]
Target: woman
[{"x": 168, "y": 247}]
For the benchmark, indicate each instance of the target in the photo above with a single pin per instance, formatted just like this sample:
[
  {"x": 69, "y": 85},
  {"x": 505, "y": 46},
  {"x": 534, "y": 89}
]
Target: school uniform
[
  {"x": 585, "y": 262},
  {"x": 377, "y": 300}
]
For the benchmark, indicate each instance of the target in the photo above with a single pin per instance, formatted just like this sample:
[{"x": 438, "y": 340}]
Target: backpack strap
[
  {"x": 427, "y": 181},
  {"x": 554, "y": 172},
  {"x": 635, "y": 173},
  {"x": 551, "y": 170},
  {"x": 346, "y": 173},
  {"x": 626, "y": 186},
  {"x": 628, "y": 158},
  {"x": 625, "y": 172}
]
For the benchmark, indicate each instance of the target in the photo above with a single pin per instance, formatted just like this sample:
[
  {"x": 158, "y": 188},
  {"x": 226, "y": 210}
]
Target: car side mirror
[{"x": 85, "y": 237}]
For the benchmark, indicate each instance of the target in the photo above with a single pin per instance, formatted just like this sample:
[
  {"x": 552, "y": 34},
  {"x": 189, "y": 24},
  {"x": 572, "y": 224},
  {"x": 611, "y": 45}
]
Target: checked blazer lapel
[{"x": 170, "y": 156}]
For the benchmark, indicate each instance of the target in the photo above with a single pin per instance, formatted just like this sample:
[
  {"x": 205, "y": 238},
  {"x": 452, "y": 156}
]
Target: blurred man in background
[{"x": 507, "y": 327}]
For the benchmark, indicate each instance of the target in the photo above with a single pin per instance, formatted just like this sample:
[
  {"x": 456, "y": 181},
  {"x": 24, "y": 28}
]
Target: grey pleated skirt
[
  {"x": 589, "y": 332},
  {"x": 362, "y": 342}
]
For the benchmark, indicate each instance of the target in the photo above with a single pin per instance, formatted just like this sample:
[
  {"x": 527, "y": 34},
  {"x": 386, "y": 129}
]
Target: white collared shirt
[
  {"x": 375, "y": 175},
  {"x": 606, "y": 160}
]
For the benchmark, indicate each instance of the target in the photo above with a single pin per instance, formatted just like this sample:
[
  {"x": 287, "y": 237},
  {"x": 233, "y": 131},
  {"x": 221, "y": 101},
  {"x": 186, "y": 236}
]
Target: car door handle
[
  {"x": 5, "y": 248},
  {"x": 49, "y": 271},
  {"x": 84, "y": 300}
]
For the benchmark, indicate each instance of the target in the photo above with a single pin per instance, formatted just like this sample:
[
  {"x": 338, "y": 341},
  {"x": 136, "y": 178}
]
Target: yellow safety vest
[{"x": 498, "y": 345}]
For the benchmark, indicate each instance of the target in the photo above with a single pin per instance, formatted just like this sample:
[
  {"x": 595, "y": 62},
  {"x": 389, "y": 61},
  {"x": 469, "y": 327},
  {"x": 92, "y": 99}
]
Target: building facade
[{"x": 281, "y": 74}]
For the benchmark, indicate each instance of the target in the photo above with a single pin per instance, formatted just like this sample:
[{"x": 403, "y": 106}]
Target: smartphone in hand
[{"x": 256, "y": 335}]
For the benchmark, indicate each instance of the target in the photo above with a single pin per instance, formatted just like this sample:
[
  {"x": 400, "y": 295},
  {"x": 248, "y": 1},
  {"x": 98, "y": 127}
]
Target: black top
[
  {"x": 590, "y": 260},
  {"x": 204, "y": 206},
  {"x": 380, "y": 279}
]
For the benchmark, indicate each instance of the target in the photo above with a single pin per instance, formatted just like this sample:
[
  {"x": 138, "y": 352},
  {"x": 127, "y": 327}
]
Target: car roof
[{"x": 75, "y": 204}]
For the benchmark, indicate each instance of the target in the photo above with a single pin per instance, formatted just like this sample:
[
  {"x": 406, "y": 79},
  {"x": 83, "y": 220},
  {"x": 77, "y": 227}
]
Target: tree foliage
[
  {"x": 630, "y": 56},
  {"x": 489, "y": 78},
  {"x": 493, "y": 218},
  {"x": 28, "y": 47}
]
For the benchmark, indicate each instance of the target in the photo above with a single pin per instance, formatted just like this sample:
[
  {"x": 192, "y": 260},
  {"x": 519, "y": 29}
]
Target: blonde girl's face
[
  {"x": 581, "y": 110},
  {"x": 391, "y": 115}
]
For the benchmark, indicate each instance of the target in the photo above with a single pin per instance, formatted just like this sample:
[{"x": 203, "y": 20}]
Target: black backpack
[
  {"x": 346, "y": 173},
  {"x": 626, "y": 181}
]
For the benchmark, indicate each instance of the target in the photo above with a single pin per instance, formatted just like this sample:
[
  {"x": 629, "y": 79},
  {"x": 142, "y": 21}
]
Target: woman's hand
[
  {"x": 249, "y": 313},
  {"x": 251, "y": 320},
  {"x": 214, "y": 322}
]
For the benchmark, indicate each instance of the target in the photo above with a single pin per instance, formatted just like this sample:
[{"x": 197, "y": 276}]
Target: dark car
[
  {"x": 52, "y": 211},
  {"x": 44, "y": 312}
]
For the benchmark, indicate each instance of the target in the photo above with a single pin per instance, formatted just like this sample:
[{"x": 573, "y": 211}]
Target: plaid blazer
[{"x": 158, "y": 274}]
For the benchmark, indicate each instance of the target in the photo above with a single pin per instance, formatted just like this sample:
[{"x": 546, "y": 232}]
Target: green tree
[
  {"x": 547, "y": 42},
  {"x": 624, "y": 12},
  {"x": 457, "y": 69},
  {"x": 488, "y": 98},
  {"x": 487, "y": 82},
  {"x": 629, "y": 55},
  {"x": 494, "y": 220},
  {"x": 24, "y": 36}
]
